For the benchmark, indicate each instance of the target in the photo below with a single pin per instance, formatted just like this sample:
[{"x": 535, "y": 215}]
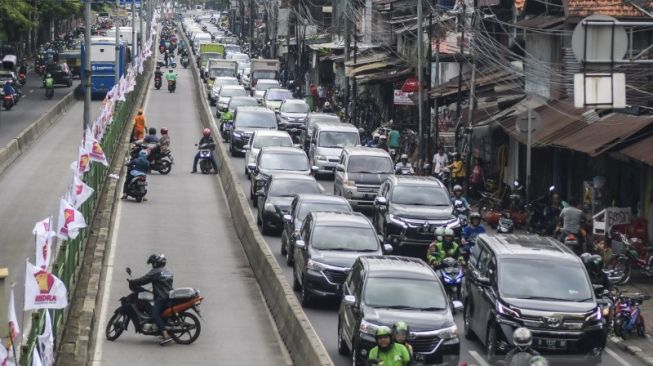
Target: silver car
[
  {"x": 261, "y": 86},
  {"x": 225, "y": 95},
  {"x": 261, "y": 139},
  {"x": 360, "y": 173},
  {"x": 218, "y": 83}
]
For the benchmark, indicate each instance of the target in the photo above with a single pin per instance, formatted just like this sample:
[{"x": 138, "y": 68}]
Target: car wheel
[
  {"x": 343, "y": 349},
  {"x": 232, "y": 150},
  {"x": 305, "y": 295},
  {"x": 284, "y": 242},
  {"x": 265, "y": 229},
  {"x": 491, "y": 343},
  {"x": 258, "y": 219},
  {"x": 467, "y": 330},
  {"x": 295, "y": 282}
]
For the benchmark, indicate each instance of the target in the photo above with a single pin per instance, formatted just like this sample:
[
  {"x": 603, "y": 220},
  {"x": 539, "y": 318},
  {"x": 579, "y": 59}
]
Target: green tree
[{"x": 14, "y": 18}]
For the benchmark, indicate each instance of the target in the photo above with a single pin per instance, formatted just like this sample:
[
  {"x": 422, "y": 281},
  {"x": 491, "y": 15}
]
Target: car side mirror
[
  {"x": 457, "y": 305},
  {"x": 381, "y": 201},
  {"x": 482, "y": 280},
  {"x": 387, "y": 249},
  {"x": 287, "y": 218},
  {"x": 129, "y": 271},
  {"x": 300, "y": 244},
  {"x": 349, "y": 300},
  {"x": 340, "y": 168}
]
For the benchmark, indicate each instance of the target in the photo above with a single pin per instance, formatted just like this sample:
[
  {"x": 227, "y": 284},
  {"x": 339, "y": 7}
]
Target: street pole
[
  {"x": 140, "y": 33},
  {"x": 87, "y": 67},
  {"x": 437, "y": 76},
  {"x": 354, "y": 85},
  {"x": 420, "y": 75},
  {"x": 346, "y": 58},
  {"x": 133, "y": 37},
  {"x": 472, "y": 93},
  {"x": 430, "y": 84},
  {"x": 117, "y": 59},
  {"x": 529, "y": 142},
  {"x": 251, "y": 24},
  {"x": 461, "y": 27}
]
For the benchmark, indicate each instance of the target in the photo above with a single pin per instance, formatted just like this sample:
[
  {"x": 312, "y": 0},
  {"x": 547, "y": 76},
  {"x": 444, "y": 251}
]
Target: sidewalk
[{"x": 642, "y": 348}]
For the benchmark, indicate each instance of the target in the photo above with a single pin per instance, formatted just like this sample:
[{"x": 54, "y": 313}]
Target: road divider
[
  {"x": 299, "y": 336},
  {"x": 31, "y": 133}
]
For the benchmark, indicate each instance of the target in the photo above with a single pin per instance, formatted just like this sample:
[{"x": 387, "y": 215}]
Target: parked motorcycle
[
  {"x": 137, "y": 186},
  {"x": 183, "y": 326},
  {"x": 506, "y": 224},
  {"x": 444, "y": 176},
  {"x": 628, "y": 316},
  {"x": 172, "y": 86},
  {"x": 451, "y": 273},
  {"x": 635, "y": 254},
  {"x": 205, "y": 158}
]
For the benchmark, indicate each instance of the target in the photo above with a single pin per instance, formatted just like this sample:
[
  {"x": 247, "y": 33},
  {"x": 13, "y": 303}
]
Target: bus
[{"x": 103, "y": 64}]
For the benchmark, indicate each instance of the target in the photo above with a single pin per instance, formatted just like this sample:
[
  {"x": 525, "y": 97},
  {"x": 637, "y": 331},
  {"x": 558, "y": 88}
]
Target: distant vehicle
[
  {"x": 274, "y": 198},
  {"x": 327, "y": 142},
  {"x": 246, "y": 121},
  {"x": 273, "y": 160},
  {"x": 103, "y": 63},
  {"x": 359, "y": 175},
  {"x": 60, "y": 73},
  {"x": 311, "y": 121},
  {"x": 273, "y": 97},
  {"x": 261, "y": 139},
  {"x": 225, "y": 95},
  {"x": 217, "y": 84},
  {"x": 262, "y": 86},
  {"x": 264, "y": 69}
]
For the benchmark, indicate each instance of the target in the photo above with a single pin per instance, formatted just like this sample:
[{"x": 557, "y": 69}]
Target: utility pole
[
  {"x": 346, "y": 56},
  {"x": 87, "y": 67},
  {"x": 117, "y": 59},
  {"x": 140, "y": 35},
  {"x": 472, "y": 91},
  {"x": 251, "y": 24},
  {"x": 354, "y": 85},
  {"x": 133, "y": 37},
  {"x": 420, "y": 77},
  {"x": 437, "y": 76},
  {"x": 430, "y": 85},
  {"x": 461, "y": 27}
]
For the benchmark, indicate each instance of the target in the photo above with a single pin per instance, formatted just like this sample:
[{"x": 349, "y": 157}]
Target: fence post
[{"x": 4, "y": 277}]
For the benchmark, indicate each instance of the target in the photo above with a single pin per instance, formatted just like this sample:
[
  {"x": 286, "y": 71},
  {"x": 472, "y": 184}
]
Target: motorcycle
[
  {"x": 49, "y": 93},
  {"x": 225, "y": 129},
  {"x": 404, "y": 170},
  {"x": 172, "y": 86},
  {"x": 8, "y": 102},
  {"x": 635, "y": 254},
  {"x": 184, "y": 62},
  {"x": 628, "y": 316},
  {"x": 506, "y": 224},
  {"x": 206, "y": 152},
  {"x": 22, "y": 79},
  {"x": 40, "y": 69},
  {"x": 137, "y": 184},
  {"x": 573, "y": 243},
  {"x": 461, "y": 212},
  {"x": 451, "y": 273},
  {"x": 161, "y": 161},
  {"x": 183, "y": 326},
  {"x": 444, "y": 176},
  {"x": 157, "y": 82}
]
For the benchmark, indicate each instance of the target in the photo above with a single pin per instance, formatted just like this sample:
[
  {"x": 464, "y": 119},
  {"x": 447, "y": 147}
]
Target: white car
[
  {"x": 261, "y": 86},
  {"x": 217, "y": 84},
  {"x": 261, "y": 139},
  {"x": 226, "y": 92}
]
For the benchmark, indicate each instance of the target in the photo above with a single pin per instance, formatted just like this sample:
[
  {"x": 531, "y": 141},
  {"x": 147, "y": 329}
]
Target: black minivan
[
  {"x": 382, "y": 290},
  {"x": 534, "y": 282}
]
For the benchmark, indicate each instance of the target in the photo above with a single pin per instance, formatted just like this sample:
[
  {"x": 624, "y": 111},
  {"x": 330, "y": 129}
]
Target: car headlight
[
  {"x": 597, "y": 315},
  {"x": 368, "y": 328},
  {"x": 315, "y": 266},
  {"x": 322, "y": 157},
  {"x": 448, "y": 333},
  {"x": 504, "y": 310},
  {"x": 270, "y": 208},
  {"x": 396, "y": 219},
  {"x": 349, "y": 182}
]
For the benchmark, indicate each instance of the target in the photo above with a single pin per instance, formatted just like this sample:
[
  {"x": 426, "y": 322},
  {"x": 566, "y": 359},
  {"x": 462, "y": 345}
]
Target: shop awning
[
  {"x": 385, "y": 75},
  {"x": 598, "y": 137},
  {"x": 368, "y": 67},
  {"x": 362, "y": 60},
  {"x": 483, "y": 79},
  {"x": 642, "y": 151}
]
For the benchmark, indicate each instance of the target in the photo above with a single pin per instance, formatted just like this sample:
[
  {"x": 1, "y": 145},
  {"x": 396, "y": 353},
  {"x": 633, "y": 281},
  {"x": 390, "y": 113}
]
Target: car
[
  {"x": 275, "y": 197},
  {"x": 225, "y": 94},
  {"x": 408, "y": 209},
  {"x": 325, "y": 249},
  {"x": 293, "y": 114},
  {"x": 241, "y": 58},
  {"x": 536, "y": 282},
  {"x": 327, "y": 142},
  {"x": 261, "y": 139},
  {"x": 273, "y": 97},
  {"x": 261, "y": 86},
  {"x": 276, "y": 160},
  {"x": 236, "y": 102},
  {"x": 217, "y": 84},
  {"x": 301, "y": 206},
  {"x": 311, "y": 121},
  {"x": 246, "y": 121},
  {"x": 359, "y": 175},
  {"x": 6, "y": 75},
  {"x": 382, "y": 290},
  {"x": 60, "y": 73}
]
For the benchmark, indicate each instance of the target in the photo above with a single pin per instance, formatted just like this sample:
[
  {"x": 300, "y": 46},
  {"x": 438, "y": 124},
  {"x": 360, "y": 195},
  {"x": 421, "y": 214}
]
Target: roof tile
[{"x": 614, "y": 8}]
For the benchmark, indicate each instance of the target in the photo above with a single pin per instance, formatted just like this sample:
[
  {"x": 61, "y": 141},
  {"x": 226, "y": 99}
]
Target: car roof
[
  {"x": 266, "y": 81},
  {"x": 336, "y": 126},
  {"x": 226, "y": 78},
  {"x": 233, "y": 87},
  {"x": 527, "y": 246},
  {"x": 320, "y": 198},
  {"x": 278, "y": 89},
  {"x": 271, "y": 133},
  {"x": 323, "y": 115},
  {"x": 294, "y": 101},
  {"x": 368, "y": 151},
  {"x": 256, "y": 109},
  {"x": 350, "y": 219},
  {"x": 252, "y": 99},
  {"x": 282, "y": 150},
  {"x": 415, "y": 180},
  {"x": 290, "y": 176},
  {"x": 395, "y": 266}
]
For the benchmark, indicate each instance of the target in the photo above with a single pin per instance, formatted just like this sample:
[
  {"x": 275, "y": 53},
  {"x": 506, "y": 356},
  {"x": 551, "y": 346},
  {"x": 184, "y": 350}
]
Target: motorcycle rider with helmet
[
  {"x": 164, "y": 140},
  {"x": 538, "y": 361},
  {"x": 522, "y": 354},
  {"x": 458, "y": 196},
  {"x": 158, "y": 74},
  {"x": 151, "y": 137},
  {"x": 140, "y": 164},
  {"x": 400, "y": 332},
  {"x": 444, "y": 249},
  {"x": 326, "y": 108},
  {"x": 383, "y": 143},
  {"x": 8, "y": 89},
  {"x": 404, "y": 165},
  {"x": 386, "y": 352},
  {"x": 206, "y": 139},
  {"x": 171, "y": 76},
  {"x": 471, "y": 231},
  {"x": 439, "y": 231},
  {"x": 161, "y": 279},
  {"x": 594, "y": 265},
  {"x": 373, "y": 141}
]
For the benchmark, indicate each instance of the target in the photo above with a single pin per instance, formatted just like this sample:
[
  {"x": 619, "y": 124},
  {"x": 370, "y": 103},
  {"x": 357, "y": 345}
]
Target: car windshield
[
  {"x": 235, "y": 92},
  {"x": 307, "y": 208},
  {"x": 222, "y": 82},
  {"x": 290, "y": 188},
  {"x": 292, "y": 162},
  {"x": 256, "y": 120},
  {"x": 265, "y": 141},
  {"x": 547, "y": 280},
  {"x": 278, "y": 95},
  {"x": 370, "y": 164},
  {"x": 355, "y": 239},
  {"x": 265, "y": 74},
  {"x": 337, "y": 139},
  {"x": 325, "y": 118},
  {"x": 242, "y": 103},
  {"x": 401, "y": 293},
  {"x": 295, "y": 108},
  {"x": 420, "y": 196},
  {"x": 216, "y": 72},
  {"x": 265, "y": 86}
]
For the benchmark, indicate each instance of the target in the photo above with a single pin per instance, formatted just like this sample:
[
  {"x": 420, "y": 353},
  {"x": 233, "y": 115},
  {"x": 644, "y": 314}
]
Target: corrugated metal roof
[
  {"x": 486, "y": 79},
  {"x": 540, "y": 22},
  {"x": 385, "y": 75},
  {"x": 642, "y": 151}
]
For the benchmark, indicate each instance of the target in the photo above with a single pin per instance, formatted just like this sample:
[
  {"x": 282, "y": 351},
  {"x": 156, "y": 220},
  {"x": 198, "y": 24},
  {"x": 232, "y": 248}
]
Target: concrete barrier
[
  {"x": 31, "y": 133},
  {"x": 299, "y": 336}
]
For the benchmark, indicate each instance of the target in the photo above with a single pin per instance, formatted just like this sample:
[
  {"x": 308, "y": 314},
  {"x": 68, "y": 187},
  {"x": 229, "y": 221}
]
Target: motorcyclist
[
  {"x": 326, "y": 108},
  {"x": 138, "y": 164},
  {"x": 522, "y": 354},
  {"x": 447, "y": 248},
  {"x": 8, "y": 89},
  {"x": 171, "y": 76},
  {"x": 164, "y": 140},
  {"x": 403, "y": 167},
  {"x": 161, "y": 279},
  {"x": 571, "y": 219},
  {"x": 471, "y": 231},
  {"x": 439, "y": 231},
  {"x": 386, "y": 352},
  {"x": 48, "y": 82},
  {"x": 458, "y": 196},
  {"x": 538, "y": 361},
  {"x": 158, "y": 74},
  {"x": 383, "y": 143},
  {"x": 400, "y": 334},
  {"x": 23, "y": 68},
  {"x": 151, "y": 137},
  {"x": 594, "y": 265},
  {"x": 394, "y": 139},
  {"x": 374, "y": 140},
  {"x": 362, "y": 137},
  {"x": 206, "y": 139}
]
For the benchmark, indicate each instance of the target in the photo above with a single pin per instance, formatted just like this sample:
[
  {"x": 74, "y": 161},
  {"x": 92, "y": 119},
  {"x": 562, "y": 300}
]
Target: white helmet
[
  {"x": 447, "y": 232},
  {"x": 522, "y": 338},
  {"x": 457, "y": 187},
  {"x": 439, "y": 232},
  {"x": 404, "y": 156}
]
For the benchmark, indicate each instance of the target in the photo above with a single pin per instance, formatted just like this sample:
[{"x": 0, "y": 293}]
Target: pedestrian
[
  {"x": 321, "y": 95},
  {"x": 458, "y": 172},
  {"x": 139, "y": 126},
  {"x": 440, "y": 161},
  {"x": 477, "y": 179}
]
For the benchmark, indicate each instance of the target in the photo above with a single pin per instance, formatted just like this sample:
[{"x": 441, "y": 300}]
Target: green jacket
[
  {"x": 227, "y": 116},
  {"x": 48, "y": 83},
  {"x": 171, "y": 76},
  {"x": 437, "y": 253},
  {"x": 397, "y": 355},
  {"x": 393, "y": 138}
]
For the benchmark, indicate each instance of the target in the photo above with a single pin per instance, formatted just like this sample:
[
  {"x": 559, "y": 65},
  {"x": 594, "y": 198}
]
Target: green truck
[{"x": 208, "y": 51}]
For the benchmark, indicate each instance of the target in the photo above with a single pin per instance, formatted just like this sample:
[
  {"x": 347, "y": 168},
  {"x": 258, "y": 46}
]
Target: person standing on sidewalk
[
  {"x": 139, "y": 126},
  {"x": 477, "y": 179}
]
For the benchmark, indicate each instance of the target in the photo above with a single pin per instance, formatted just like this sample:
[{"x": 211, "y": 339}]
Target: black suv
[
  {"x": 327, "y": 245},
  {"x": 534, "y": 282},
  {"x": 60, "y": 73},
  {"x": 382, "y": 290},
  {"x": 408, "y": 209}
]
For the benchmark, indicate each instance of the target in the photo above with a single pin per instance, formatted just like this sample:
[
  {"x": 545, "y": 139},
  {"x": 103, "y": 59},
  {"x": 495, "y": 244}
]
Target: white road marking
[
  {"x": 619, "y": 359},
  {"x": 479, "y": 358},
  {"x": 31, "y": 90}
]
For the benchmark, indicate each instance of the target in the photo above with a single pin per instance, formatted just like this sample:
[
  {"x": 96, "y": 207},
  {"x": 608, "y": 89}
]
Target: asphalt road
[
  {"x": 31, "y": 106},
  {"x": 187, "y": 218},
  {"x": 324, "y": 317},
  {"x": 30, "y": 189}
]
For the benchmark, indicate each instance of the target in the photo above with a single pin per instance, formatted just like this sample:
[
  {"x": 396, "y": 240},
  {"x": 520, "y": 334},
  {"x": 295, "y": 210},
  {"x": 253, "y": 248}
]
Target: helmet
[
  {"x": 376, "y": 135},
  {"x": 142, "y": 153},
  {"x": 48, "y": 75},
  {"x": 383, "y": 331},
  {"x": 157, "y": 260},
  {"x": 439, "y": 232},
  {"x": 164, "y": 131},
  {"x": 151, "y": 131},
  {"x": 447, "y": 232},
  {"x": 140, "y": 110},
  {"x": 595, "y": 264},
  {"x": 538, "y": 361},
  {"x": 383, "y": 137},
  {"x": 522, "y": 338},
  {"x": 327, "y": 104},
  {"x": 585, "y": 257},
  {"x": 170, "y": 70},
  {"x": 399, "y": 328},
  {"x": 457, "y": 187},
  {"x": 361, "y": 130},
  {"x": 206, "y": 132},
  {"x": 475, "y": 215},
  {"x": 456, "y": 154},
  {"x": 404, "y": 156}
]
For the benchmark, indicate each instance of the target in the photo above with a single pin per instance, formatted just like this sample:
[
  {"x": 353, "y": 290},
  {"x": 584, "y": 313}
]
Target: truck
[
  {"x": 216, "y": 68},
  {"x": 264, "y": 69},
  {"x": 208, "y": 51}
]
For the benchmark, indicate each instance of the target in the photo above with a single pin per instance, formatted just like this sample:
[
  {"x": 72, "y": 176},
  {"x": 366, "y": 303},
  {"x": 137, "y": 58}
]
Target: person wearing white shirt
[{"x": 440, "y": 160}]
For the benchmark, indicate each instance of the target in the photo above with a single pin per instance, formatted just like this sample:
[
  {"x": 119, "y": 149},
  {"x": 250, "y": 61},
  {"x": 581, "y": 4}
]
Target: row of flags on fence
[{"x": 44, "y": 290}]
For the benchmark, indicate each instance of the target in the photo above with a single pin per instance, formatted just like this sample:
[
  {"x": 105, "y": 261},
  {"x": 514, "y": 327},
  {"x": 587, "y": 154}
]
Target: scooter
[
  {"x": 7, "y": 102},
  {"x": 461, "y": 212},
  {"x": 206, "y": 152},
  {"x": 636, "y": 254},
  {"x": 161, "y": 161},
  {"x": 506, "y": 225},
  {"x": 172, "y": 86},
  {"x": 183, "y": 326},
  {"x": 225, "y": 129},
  {"x": 451, "y": 273},
  {"x": 137, "y": 185},
  {"x": 22, "y": 79},
  {"x": 184, "y": 62},
  {"x": 628, "y": 316},
  {"x": 49, "y": 93}
]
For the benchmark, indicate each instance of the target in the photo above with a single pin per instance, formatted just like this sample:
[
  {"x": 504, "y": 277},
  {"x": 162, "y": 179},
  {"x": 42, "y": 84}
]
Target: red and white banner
[
  {"x": 43, "y": 290},
  {"x": 43, "y": 234},
  {"x": 95, "y": 152},
  {"x": 80, "y": 192},
  {"x": 14, "y": 328},
  {"x": 4, "y": 357},
  {"x": 36, "y": 358},
  {"x": 83, "y": 163},
  {"x": 70, "y": 221},
  {"x": 46, "y": 342}
]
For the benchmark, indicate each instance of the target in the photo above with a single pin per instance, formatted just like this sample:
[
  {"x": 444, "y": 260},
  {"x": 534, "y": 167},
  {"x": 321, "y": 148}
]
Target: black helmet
[
  {"x": 595, "y": 264},
  {"x": 151, "y": 131},
  {"x": 157, "y": 260}
]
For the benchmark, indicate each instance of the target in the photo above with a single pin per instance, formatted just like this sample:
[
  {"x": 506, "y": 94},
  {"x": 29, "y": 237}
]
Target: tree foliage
[{"x": 19, "y": 16}]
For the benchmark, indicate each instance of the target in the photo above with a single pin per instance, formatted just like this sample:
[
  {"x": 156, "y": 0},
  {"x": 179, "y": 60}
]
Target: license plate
[
  {"x": 420, "y": 357},
  {"x": 551, "y": 344}
]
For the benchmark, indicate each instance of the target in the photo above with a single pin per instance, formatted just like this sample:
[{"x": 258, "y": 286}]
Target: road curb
[
  {"x": 31, "y": 133},
  {"x": 632, "y": 350},
  {"x": 296, "y": 331}
]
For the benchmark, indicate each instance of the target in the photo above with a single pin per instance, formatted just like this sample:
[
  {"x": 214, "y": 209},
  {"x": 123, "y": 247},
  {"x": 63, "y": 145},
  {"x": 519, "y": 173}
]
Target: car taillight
[{"x": 141, "y": 177}]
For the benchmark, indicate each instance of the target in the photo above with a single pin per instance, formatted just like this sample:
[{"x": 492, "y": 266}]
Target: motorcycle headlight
[
  {"x": 315, "y": 266},
  {"x": 368, "y": 328}
]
